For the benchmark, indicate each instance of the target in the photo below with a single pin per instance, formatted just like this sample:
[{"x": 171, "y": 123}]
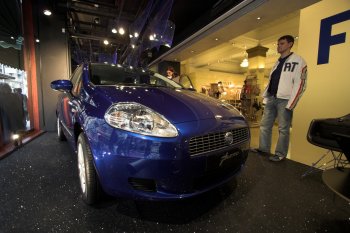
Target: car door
[{"x": 70, "y": 103}]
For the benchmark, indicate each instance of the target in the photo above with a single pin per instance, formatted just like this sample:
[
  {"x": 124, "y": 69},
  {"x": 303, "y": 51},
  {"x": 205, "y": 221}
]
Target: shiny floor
[{"x": 39, "y": 193}]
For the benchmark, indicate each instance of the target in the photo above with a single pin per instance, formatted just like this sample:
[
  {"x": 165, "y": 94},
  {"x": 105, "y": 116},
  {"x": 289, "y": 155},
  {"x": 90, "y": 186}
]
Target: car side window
[
  {"x": 186, "y": 81},
  {"x": 76, "y": 80}
]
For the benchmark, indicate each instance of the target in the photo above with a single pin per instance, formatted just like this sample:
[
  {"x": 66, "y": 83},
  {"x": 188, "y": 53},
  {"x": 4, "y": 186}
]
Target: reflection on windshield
[{"x": 105, "y": 74}]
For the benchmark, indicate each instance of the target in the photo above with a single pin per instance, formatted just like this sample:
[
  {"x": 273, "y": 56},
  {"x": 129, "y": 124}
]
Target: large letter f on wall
[{"x": 326, "y": 38}]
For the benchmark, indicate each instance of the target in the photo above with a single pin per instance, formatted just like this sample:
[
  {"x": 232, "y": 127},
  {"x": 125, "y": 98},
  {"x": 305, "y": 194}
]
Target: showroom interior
[{"x": 223, "y": 49}]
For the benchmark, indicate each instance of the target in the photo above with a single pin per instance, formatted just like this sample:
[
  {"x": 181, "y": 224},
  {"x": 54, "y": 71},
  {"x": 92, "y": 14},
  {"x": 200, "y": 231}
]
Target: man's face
[{"x": 283, "y": 46}]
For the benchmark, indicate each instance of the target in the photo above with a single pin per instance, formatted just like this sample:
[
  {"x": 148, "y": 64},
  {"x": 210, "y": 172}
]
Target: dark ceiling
[{"x": 90, "y": 22}]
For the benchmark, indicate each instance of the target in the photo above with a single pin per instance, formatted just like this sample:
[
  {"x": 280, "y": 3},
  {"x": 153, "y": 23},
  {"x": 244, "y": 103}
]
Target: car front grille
[{"x": 215, "y": 141}]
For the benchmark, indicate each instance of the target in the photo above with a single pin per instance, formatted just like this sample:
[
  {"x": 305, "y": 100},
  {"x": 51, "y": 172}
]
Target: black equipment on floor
[{"x": 333, "y": 134}]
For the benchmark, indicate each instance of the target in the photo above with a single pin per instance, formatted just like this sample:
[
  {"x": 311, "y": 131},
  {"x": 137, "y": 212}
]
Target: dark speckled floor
[{"x": 39, "y": 193}]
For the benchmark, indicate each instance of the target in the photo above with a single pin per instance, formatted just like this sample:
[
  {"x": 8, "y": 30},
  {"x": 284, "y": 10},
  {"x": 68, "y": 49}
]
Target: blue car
[{"x": 139, "y": 135}]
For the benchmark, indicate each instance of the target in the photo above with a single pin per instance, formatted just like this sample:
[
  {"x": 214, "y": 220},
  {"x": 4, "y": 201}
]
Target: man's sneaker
[{"x": 277, "y": 158}]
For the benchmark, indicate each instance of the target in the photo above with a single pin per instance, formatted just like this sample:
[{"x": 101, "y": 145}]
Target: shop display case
[{"x": 14, "y": 116}]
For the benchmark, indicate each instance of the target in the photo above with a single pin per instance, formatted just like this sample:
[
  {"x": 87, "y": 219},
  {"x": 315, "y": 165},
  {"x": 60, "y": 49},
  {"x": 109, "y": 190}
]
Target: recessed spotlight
[
  {"x": 216, "y": 39},
  {"x": 136, "y": 34},
  {"x": 192, "y": 51},
  {"x": 106, "y": 42},
  {"x": 114, "y": 30},
  {"x": 258, "y": 18},
  {"x": 133, "y": 46},
  {"x": 121, "y": 31},
  {"x": 47, "y": 12},
  {"x": 37, "y": 40},
  {"x": 12, "y": 38}
]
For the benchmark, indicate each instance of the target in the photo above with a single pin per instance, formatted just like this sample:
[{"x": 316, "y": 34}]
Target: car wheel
[
  {"x": 60, "y": 134},
  {"x": 89, "y": 183}
]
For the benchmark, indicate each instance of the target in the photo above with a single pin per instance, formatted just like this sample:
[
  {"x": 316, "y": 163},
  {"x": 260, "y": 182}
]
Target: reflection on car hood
[{"x": 176, "y": 105}]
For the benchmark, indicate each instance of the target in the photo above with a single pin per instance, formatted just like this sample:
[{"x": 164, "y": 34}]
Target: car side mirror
[{"x": 62, "y": 85}]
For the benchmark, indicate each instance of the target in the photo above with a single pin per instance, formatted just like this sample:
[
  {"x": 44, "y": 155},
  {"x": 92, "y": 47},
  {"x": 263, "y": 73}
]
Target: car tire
[
  {"x": 60, "y": 134},
  {"x": 89, "y": 183}
]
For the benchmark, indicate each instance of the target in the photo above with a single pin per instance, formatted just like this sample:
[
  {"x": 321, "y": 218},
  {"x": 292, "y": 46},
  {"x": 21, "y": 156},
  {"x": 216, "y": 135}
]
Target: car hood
[{"x": 177, "y": 105}]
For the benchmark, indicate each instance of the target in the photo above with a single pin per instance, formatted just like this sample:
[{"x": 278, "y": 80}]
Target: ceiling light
[
  {"x": 106, "y": 42},
  {"x": 192, "y": 51},
  {"x": 133, "y": 46},
  {"x": 121, "y": 31},
  {"x": 216, "y": 39},
  {"x": 258, "y": 18},
  {"x": 167, "y": 45},
  {"x": 151, "y": 37},
  {"x": 12, "y": 38},
  {"x": 47, "y": 12},
  {"x": 96, "y": 5},
  {"x": 114, "y": 30},
  {"x": 136, "y": 34},
  {"x": 244, "y": 63},
  {"x": 37, "y": 40},
  {"x": 96, "y": 20},
  {"x": 131, "y": 36}
]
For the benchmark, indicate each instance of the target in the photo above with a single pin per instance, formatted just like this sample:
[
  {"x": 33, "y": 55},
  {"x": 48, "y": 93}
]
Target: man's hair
[{"x": 288, "y": 38}]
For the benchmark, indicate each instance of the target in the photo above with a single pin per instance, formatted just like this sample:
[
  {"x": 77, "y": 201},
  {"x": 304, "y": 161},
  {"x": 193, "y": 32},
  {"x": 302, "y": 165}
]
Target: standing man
[{"x": 286, "y": 85}]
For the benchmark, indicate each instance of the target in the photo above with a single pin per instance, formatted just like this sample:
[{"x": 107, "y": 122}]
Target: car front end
[{"x": 200, "y": 149}]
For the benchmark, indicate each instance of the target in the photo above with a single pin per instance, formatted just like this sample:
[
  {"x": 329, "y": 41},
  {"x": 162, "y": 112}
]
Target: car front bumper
[{"x": 144, "y": 167}]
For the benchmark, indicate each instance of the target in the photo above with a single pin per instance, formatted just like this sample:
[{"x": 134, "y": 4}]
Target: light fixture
[
  {"x": 37, "y": 40},
  {"x": 17, "y": 140},
  {"x": 97, "y": 20},
  {"x": 216, "y": 39},
  {"x": 106, "y": 42},
  {"x": 258, "y": 18},
  {"x": 133, "y": 46},
  {"x": 12, "y": 38},
  {"x": 151, "y": 37},
  {"x": 244, "y": 63},
  {"x": 136, "y": 34},
  {"x": 47, "y": 12},
  {"x": 121, "y": 31},
  {"x": 114, "y": 30}
]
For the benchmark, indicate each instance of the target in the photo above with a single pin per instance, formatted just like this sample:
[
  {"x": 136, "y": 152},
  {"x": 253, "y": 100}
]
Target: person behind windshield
[{"x": 171, "y": 74}]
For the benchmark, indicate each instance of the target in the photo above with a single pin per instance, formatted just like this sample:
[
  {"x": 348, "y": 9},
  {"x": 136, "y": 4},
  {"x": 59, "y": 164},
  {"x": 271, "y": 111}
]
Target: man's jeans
[{"x": 275, "y": 108}]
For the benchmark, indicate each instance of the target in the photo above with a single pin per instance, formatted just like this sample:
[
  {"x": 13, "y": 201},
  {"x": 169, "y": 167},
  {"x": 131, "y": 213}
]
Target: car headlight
[{"x": 140, "y": 119}]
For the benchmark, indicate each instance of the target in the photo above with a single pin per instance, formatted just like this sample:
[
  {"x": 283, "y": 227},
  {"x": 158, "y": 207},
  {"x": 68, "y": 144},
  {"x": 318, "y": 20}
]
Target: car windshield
[{"x": 106, "y": 74}]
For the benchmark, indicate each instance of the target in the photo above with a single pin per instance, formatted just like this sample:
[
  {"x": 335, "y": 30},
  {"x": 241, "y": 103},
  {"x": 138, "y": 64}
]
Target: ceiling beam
[{"x": 97, "y": 38}]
